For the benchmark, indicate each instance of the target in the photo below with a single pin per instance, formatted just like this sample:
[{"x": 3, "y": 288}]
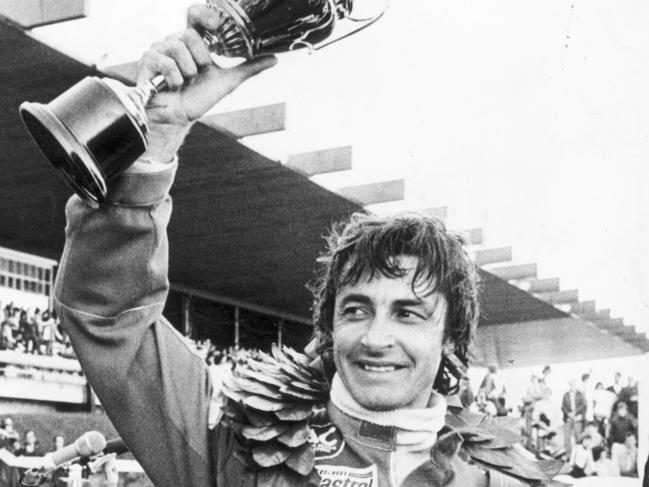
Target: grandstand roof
[{"x": 245, "y": 229}]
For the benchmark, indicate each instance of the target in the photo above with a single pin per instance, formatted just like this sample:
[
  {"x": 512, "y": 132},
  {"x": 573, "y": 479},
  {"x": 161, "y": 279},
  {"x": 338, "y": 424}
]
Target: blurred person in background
[
  {"x": 31, "y": 447},
  {"x": 625, "y": 456},
  {"x": 621, "y": 424},
  {"x": 573, "y": 407},
  {"x": 7, "y": 433},
  {"x": 604, "y": 466},
  {"x": 27, "y": 331},
  {"x": 581, "y": 458},
  {"x": 629, "y": 395},
  {"x": 586, "y": 389},
  {"x": 49, "y": 333},
  {"x": 7, "y": 340},
  {"x": 58, "y": 442},
  {"x": 603, "y": 401},
  {"x": 616, "y": 387}
]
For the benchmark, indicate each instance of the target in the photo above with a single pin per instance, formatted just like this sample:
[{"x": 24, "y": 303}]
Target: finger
[
  {"x": 253, "y": 67},
  {"x": 176, "y": 49},
  {"x": 153, "y": 63},
  {"x": 197, "y": 47},
  {"x": 201, "y": 17}
]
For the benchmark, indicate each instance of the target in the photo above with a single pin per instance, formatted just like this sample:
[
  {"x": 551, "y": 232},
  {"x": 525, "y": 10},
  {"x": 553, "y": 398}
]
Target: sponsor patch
[
  {"x": 327, "y": 441},
  {"x": 336, "y": 476}
]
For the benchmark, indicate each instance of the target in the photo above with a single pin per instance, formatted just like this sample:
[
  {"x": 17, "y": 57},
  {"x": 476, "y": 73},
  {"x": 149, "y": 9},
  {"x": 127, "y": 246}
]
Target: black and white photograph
[{"x": 324, "y": 243}]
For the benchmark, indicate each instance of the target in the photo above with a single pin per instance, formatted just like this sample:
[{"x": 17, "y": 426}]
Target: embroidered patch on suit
[{"x": 327, "y": 441}]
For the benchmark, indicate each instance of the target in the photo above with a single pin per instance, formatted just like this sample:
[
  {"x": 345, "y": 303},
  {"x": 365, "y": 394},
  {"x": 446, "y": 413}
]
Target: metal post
[
  {"x": 91, "y": 405},
  {"x": 186, "y": 322},
  {"x": 280, "y": 330},
  {"x": 236, "y": 327}
]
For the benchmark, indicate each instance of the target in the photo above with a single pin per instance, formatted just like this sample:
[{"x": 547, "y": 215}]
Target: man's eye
[
  {"x": 408, "y": 315},
  {"x": 354, "y": 312}
]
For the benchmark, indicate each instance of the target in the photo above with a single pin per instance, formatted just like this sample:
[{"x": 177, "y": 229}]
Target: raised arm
[{"x": 112, "y": 282}]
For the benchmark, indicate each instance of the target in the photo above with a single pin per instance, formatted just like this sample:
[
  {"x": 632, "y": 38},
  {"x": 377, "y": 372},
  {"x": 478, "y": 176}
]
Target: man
[
  {"x": 622, "y": 423},
  {"x": 58, "y": 442},
  {"x": 616, "y": 387},
  {"x": 397, "y": 301},
  {"x": 625, "y": 455},
  {"x": 492, "y": 384},
  {"x": 8, "y": 434},
  {"x": 603, "y": 400},
  {"x": 573, "y": 406},
  {"x": 30, "y": 447}
]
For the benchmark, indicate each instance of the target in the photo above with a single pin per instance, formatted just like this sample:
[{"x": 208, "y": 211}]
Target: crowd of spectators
[
  {"x": 593, "y": 428},
  {"x": 32, "y": 331},
  {"x": 26, "y": 444}
]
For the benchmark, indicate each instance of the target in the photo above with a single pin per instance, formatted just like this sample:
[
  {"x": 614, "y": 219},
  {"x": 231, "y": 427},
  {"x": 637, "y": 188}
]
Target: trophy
[{"x": 97, "y": 128}]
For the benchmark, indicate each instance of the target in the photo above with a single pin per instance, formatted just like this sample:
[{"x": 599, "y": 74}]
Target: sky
[{"x": 528, "y": 119}]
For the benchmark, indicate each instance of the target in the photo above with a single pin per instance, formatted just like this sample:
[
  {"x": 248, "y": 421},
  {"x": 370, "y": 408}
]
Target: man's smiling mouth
[{"x": 378, "y": 367}]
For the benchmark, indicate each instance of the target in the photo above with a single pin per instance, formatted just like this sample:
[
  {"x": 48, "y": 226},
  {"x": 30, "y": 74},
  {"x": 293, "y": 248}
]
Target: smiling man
[{"x": 395, "y": 309}]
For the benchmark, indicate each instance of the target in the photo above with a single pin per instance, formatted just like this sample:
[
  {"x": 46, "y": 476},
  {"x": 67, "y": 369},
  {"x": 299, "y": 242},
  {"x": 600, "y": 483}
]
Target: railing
[{"x": 41, "y": 378}]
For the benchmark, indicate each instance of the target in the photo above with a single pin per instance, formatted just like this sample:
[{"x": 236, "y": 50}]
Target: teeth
[{"x": 384, "y": 368}]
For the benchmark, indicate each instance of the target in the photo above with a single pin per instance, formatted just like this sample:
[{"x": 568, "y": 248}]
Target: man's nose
[{"x": 379, "y": 333}]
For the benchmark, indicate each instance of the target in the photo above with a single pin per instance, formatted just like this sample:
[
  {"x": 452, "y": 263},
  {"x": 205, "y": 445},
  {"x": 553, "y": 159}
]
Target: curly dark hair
[{"x": 368, "y": 244}]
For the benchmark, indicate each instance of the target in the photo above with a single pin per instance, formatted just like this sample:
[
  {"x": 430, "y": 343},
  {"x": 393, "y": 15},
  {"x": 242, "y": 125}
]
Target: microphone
[{"x": 88, "y": 444}]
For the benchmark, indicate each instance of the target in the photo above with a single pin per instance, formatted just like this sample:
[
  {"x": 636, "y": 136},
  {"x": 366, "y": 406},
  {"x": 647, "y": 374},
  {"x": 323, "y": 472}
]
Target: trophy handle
[{"x": 366, "y": 23}]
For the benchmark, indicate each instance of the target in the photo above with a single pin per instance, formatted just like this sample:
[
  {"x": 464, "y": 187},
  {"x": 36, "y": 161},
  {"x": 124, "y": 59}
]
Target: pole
[
  {"x": 186, "y": 322},
  {"x": 237, "y": 325},
  {"x": 280, "y": 331}
]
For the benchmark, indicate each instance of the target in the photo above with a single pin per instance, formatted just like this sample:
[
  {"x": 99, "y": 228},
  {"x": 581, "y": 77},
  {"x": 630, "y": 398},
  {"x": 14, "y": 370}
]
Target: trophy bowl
[{"x": 97, "y": 128}]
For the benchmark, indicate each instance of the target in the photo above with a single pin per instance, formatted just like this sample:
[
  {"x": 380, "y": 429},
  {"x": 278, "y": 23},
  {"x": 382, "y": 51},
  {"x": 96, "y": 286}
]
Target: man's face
[{"x": 388, "y": 339}]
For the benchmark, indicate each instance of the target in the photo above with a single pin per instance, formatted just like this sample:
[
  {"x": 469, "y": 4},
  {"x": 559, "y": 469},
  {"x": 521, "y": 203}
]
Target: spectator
[
  {"x": 27, "y": 331},
  {"x": 483, "y": 405},
  {"x": 581, "y": 458},
  {"x": 603, "y": 401},
  {"x": 31, "y": 447},
  {"x": 591, "y": 429},
  {"x": 616, "y": 387},
  {"x": 13, "y": 446},
  {"x": 621, "y": 424},
  {"x": 492, "y": 385},
  {"x": 58, "y": 442},
  {"x": 604, "y": 466},
  {"x": 625, "y": 456},
  {"x": 49, "y": 333},
  {"x": 573, "y": 407},
  {"x": 544, "y": 409},
  {"x": 37, "y": 327},
  {"x": 8, "y": 434},
  {"x": 587, "y": 391},
  {"x": 629, "y": 394},
  {"x": 7, "y": 340}
]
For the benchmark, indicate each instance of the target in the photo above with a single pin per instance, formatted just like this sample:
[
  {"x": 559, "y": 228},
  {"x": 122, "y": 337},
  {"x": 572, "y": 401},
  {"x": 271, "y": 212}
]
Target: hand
[{"x": 194, "y": 83}]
